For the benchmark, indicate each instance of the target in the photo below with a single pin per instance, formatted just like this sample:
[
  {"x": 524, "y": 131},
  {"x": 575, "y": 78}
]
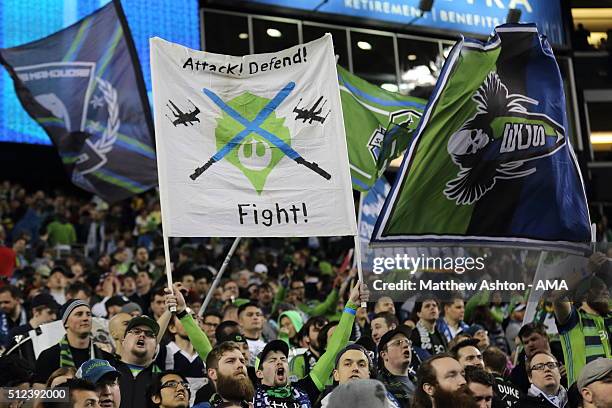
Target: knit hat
[
  {"x": 359, "y": 393},
  {"x": 131, "y": 307},
  {"x": 69, "y": 307}
]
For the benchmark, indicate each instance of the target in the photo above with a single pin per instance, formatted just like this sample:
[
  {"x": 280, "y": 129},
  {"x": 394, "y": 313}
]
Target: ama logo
[{"x": 503, "y": 140}]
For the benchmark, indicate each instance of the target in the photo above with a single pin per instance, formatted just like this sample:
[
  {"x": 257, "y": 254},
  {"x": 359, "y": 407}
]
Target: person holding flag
[{"x": 273, "y": 366}]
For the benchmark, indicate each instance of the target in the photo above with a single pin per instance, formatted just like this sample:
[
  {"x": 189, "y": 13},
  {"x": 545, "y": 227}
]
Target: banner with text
[{"x": 251, "y": 146}]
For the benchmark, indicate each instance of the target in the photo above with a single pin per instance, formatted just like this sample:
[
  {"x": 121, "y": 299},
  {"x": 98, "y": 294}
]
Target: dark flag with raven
[
  {"x": 491, "y": 160},
  {"x": 83, "y": 85}
]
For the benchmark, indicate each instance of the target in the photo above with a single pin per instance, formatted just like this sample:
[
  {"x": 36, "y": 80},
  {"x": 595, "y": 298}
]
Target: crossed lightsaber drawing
[{"x": 254, "y": 127}]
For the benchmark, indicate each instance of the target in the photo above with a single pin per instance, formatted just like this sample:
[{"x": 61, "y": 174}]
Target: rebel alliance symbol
[
  {"x": 251, "y": 159},
  {"x": 254, "y": 126}
]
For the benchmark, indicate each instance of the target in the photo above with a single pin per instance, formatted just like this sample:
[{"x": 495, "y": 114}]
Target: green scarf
[
  {"x": 279, "y": 392},
  {"x": 66, "y": 359}
]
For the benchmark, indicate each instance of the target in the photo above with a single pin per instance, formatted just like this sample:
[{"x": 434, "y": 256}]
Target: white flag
[{"x": 251, "y": 146}]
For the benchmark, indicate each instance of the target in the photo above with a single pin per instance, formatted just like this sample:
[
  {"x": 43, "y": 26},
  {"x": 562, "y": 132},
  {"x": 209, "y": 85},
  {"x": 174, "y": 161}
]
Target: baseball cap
[
  {"x": 44, "y": 271},
  {"x": 93, "y": 370},
  {"x": 143, "y": 320},
  {"x": 386, "y": 338},
  {"x": 260, "y": 268},
  {"x": 62, "y": 270},
  {"x": 235, "y": 337},
  {"x": 116, "y": 300},
  {"x": 274, "y": 345},
  {"x": 45, "y": 299},
  {"x": 594, "y": 371},
  {"x": 473, "y": 329}
]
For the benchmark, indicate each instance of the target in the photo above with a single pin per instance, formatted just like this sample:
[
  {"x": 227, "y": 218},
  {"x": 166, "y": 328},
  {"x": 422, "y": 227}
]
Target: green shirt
[
  {"x": 584, "y": 338},
  {"x": 62, "y": 234}
]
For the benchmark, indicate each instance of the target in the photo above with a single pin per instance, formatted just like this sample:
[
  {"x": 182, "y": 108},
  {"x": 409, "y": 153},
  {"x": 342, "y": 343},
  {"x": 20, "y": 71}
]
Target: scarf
[
  {"x": 66, "y": 359},
  {"x": 424, "y": 335},
  {"x": 559, "y": 400},
  {"x": 444, "y": 328},
  {"x": 268, "y": 396}
]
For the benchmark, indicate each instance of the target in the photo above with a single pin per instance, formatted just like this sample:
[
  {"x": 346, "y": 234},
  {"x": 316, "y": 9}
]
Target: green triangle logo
[{"x": 255, "y": 156}]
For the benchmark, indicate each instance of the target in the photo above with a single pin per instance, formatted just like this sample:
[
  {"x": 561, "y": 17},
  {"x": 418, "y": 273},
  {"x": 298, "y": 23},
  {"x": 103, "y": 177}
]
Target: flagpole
[
  {"x": 168, "y": 265},
  {"x": 358, "y": 245},
  {"x": 215, "y": 283},
  {"x": 162, "y": 173}
]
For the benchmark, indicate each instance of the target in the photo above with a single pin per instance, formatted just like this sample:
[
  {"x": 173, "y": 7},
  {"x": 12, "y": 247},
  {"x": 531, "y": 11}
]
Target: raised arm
[
  {"x": 196, "y": 335},
  {"x": 324, "y": 367}
]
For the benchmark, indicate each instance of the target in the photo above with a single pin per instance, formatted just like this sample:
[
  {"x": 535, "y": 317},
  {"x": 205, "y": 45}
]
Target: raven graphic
[{"x": 478, "y": 153}]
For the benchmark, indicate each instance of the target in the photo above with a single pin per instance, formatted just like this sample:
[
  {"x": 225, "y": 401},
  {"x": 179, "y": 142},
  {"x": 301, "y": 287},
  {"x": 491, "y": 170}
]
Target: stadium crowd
[{"x": 284, "y": 329}]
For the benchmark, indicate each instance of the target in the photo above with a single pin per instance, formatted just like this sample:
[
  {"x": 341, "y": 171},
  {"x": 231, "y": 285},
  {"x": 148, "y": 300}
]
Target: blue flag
[
  {"x": 83, "y": 85},
  {"x": 369, "y": 210},
  {"x": 491, "y": 160}
]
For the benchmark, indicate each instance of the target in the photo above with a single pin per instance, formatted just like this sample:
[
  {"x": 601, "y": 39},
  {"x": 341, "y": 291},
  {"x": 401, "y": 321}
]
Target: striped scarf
[{"x": 66, "y": 359}]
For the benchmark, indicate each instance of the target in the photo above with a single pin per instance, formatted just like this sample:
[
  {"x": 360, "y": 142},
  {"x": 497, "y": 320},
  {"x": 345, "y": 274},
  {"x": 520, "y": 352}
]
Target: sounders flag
[
  {"x": 491, "y": 160},
  {"x": 368, "y": 111},
  {"x": 84, "y": 87},
  {"x": 251, "y": 146}
]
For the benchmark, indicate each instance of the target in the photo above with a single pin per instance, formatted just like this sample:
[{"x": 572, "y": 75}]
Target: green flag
[
  {"x": 368, "y": 110},
  {"x": 490, "y": 161}
]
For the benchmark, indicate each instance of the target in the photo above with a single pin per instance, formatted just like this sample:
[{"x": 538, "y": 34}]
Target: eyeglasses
[
  {"x": 174, "y": 384},
  {"x": 147, "y": 333},
  {"x": 550, "y": 365},
  {"x": 400, "y": 343}
]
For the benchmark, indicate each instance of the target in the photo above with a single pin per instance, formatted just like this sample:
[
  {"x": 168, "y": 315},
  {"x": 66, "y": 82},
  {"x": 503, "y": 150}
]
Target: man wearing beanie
[
  {"x": 360, "y": 394},
  {"x": 74, "y": 348}
]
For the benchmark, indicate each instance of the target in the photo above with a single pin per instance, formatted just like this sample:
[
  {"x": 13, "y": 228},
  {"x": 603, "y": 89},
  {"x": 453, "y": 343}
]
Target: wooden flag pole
[
  {"x": 168, "y": 264},
  {"x": 215, "y": 283},
  {"x": 357, "y": 258}
]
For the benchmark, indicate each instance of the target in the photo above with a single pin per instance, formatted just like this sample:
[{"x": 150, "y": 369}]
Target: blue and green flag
[
  {"x": 83, "y": 85},
  {"x": 491, "y": 160},
  {"x": 368, "y": 111}
]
